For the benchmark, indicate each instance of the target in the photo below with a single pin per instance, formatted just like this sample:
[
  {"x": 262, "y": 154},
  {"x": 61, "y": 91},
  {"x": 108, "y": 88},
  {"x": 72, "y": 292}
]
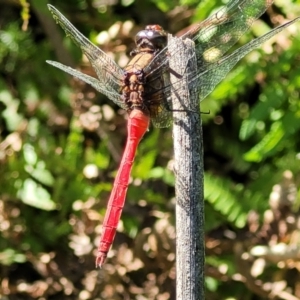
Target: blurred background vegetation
[{"x": 61, "y": 143}]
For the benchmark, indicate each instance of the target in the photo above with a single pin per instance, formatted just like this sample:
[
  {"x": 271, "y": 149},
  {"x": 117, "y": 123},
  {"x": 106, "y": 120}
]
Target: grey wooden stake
[{"x": 188, "y": 168}]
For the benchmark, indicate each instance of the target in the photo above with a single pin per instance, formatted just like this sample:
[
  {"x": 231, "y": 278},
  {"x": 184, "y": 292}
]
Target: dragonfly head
[{"x": 153, "y": 37}]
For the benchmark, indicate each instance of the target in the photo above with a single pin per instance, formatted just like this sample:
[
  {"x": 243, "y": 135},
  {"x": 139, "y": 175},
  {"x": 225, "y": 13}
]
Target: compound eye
[
  {"x": 154, "y": 27},
  {"x": 155, "y": 34},
  {"x": 159, "y": 41}
]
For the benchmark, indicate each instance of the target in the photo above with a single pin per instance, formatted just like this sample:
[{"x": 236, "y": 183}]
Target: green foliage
[
  {"x": 9, "y": 256},
  {"x": 225, "y": 200}
]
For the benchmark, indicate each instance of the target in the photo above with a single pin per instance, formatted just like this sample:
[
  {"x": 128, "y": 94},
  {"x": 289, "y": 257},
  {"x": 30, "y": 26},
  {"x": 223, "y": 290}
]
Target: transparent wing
[
  {"x": 94, "y": 82},
  {"x": 163, "y": 118},
  {"x": 217, "y": 34},
  {"x": 216, "y": 71},
  {"x": 109, "y": 73}
]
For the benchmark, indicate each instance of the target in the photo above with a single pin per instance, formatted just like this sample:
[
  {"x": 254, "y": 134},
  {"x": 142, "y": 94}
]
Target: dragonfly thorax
[
  {"x": 133, "y": 90},
  {"x": 135, "y": 80}
]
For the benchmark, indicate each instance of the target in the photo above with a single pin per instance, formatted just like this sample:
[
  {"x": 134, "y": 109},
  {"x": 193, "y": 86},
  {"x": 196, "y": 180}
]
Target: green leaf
[
  {"x": 35, "y": 195},
  {"x": 280, "y": 131},
  {"x": 9, "y": 256},
  {"x": 217, "y": 191},
  {"x": 267, "y": 144}
]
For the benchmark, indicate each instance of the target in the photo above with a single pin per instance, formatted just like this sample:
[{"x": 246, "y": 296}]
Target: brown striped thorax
[{"x": 149, "y": 42}]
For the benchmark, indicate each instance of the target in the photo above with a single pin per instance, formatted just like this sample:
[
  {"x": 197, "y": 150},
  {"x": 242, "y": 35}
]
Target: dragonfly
[{"x": 143, "y": 88}]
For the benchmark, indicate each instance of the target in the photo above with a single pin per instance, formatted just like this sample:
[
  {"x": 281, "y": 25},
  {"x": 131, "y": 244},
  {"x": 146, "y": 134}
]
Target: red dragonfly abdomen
[{"x": 138, "y": 123}]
